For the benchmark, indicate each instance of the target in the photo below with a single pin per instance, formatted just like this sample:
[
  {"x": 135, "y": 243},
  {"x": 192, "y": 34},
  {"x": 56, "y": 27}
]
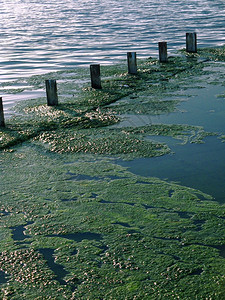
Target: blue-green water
[{"x": 201, "y": 166}]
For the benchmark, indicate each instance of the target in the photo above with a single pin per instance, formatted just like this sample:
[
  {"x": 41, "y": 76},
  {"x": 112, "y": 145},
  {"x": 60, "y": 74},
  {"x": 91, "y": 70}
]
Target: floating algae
[
  {"x": 94, "y": 230},
  {"x": 155, "y": 237},
  {"x": 88, "y": 108},
  {"x": 215, "y": 54}
]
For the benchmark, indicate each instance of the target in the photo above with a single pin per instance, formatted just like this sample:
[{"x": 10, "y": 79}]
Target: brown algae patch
[{"x": 118, "y": 235}]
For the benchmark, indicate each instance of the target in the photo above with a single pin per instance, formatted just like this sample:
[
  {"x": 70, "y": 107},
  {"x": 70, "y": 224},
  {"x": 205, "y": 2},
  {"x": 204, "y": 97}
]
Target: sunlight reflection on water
[{"x": 39, "y": 35}]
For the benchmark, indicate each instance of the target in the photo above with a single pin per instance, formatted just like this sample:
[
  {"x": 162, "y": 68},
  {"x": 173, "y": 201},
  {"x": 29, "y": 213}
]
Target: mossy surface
[
  {"x": 116, "y": 235},
  {"x": 75, "y": 225},
  {"x": 215, "y": 54}
]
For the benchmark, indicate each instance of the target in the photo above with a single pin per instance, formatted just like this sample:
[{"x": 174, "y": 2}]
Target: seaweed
[{"x": 76, "y": 225}]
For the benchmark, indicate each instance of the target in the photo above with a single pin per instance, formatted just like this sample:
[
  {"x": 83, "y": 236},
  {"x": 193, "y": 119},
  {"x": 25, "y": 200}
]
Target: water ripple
[{"x": 38, "y": 36}]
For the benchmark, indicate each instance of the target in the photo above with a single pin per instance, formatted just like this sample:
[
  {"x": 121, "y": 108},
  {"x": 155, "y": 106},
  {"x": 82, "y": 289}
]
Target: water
[
  {"x": 39, "y": 36},
  {"x": 200, "y": 166},
  {"x": 203, "y": 108}
]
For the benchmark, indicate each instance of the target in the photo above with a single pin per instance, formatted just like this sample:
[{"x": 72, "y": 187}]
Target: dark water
[
  {"x": 3, "y": 278},
  {"x": 201, "y": 166},
  {"x": 58, "y": 269},
  {"x": 18, "y": 232}
]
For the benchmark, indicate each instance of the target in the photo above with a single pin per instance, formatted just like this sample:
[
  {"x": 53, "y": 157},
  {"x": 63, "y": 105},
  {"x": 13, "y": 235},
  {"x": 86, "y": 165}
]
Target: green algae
[
  {"x": 215, "y": 54},
  {"x": 125, "y": 142},
  {"x": 223, "y": 138},
  {"x": 82, "y": 107},
  {"x": 102, "y": 142},
  {"x": 155, "y": 237},
  {"x": 152, "y": 238}
]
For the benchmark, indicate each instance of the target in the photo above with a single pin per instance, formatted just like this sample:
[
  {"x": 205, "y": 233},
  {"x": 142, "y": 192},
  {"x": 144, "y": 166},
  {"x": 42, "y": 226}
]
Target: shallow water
[
  {"x": 202, "y": 108},
  {"x": 201, "y": 166}
]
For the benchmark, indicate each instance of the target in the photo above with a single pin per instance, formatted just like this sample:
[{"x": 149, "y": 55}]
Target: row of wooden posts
[{"x": 51, "y": 87}]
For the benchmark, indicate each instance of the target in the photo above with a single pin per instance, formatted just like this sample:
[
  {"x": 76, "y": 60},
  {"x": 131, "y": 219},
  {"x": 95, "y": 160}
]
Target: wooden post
[
  {"x": 191, "y": 42},
  {"x": 163, "y": 52},
  {"x": 95, "y": 76},
  {"x": 51, "y": 92},
  {"x": 2, "y": 121},
  {"x": 132, "y": 62}
]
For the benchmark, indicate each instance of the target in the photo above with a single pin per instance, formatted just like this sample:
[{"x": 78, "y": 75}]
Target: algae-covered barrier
[{"x": 76, "y": 225}]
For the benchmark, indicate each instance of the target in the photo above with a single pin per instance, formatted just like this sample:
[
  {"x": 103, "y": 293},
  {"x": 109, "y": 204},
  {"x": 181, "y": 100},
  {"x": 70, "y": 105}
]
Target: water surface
[{"x": 40, "y": 35}]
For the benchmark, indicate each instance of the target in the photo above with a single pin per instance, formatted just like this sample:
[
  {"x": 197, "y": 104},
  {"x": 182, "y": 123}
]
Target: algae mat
[
  {"x": 115, "y": 235},
  {"x": 74, "y": 225}
]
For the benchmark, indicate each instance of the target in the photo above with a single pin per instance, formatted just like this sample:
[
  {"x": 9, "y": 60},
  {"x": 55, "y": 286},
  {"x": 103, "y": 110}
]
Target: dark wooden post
[
  {"x": 2, "y": 121},
  {"x": 191, "y": 42},
  {"x": 163, "y": 52},
  {"x": 51, "y": 92},
  {"x": 132, "y": 62},
  {"x": 95, "y": 76}
]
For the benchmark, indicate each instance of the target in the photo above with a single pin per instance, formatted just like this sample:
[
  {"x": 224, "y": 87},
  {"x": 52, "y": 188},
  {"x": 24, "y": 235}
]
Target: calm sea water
[{"x": 37, "y": 36}]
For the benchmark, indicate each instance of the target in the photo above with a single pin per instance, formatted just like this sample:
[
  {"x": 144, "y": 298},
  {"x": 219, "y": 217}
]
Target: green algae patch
[
  {"x": 30, "y": 276},
  {"x": 223, "y": 138},
  {"x": 127, "y": 142},
  {"x": 75, "y": 225},
  {"x": 156, "y": 89},
  {"x": 82, "y": 227},
  {"x": 214, "y": 54},
  {"x": 43, "y": 118},
  {"x": 108, "y": 142}
]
